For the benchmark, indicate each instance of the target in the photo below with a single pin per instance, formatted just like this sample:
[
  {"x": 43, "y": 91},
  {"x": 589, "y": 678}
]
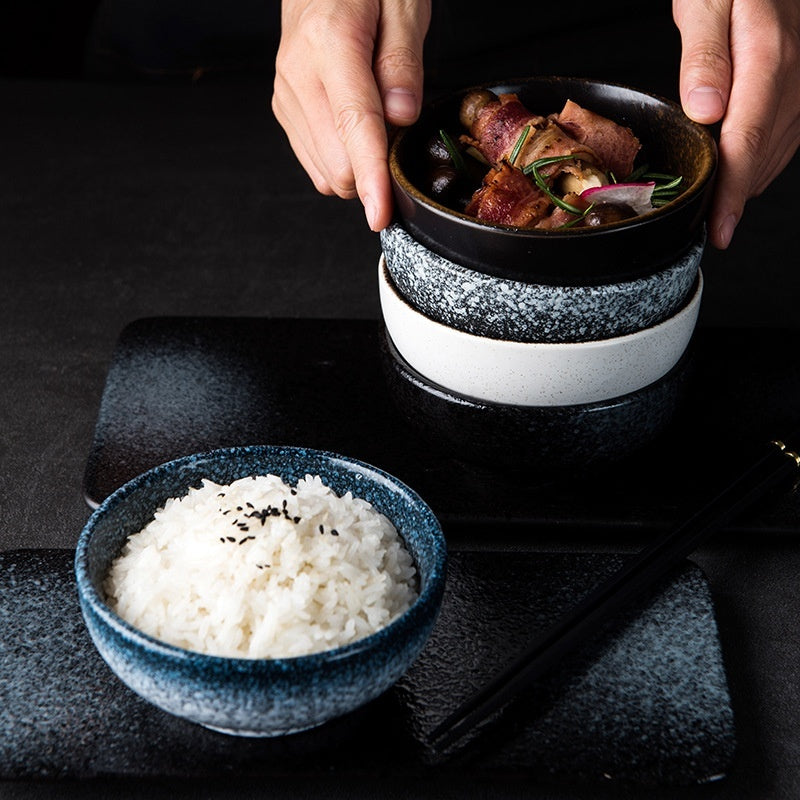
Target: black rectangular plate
[
  {"x": 182, "y": 385},
  {"x": 647, "y": 702}
]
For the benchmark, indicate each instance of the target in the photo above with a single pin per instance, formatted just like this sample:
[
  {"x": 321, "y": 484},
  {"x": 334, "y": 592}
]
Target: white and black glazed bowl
[
  {"x": 259, "y": 697},
  {"x": 535, "y": 374},
  {"x": 501, "y": 308}
]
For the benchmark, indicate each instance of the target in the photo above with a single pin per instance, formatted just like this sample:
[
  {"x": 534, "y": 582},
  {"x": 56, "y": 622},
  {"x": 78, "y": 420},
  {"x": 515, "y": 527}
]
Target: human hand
[
  {"x": 344, "y": 69},
  {"x": 741, "y": 64}
]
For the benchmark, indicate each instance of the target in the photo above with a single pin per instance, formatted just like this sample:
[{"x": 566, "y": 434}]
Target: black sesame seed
[
  {"x": 294, "y": 491},
  {"x": 296, "y": 520},
  {"x": 231, "y": 538},
  {"x": 250, "y": 505},
  {"x": 322, "y": 528},
  {"x": 334, "y": 532}
]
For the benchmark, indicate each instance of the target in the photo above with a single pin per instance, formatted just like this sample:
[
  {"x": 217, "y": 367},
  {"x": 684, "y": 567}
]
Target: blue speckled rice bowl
[{"x": 259, "y": 696}]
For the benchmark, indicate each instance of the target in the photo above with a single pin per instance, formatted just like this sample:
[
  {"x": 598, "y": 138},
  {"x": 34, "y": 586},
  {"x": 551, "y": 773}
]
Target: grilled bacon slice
[
  {"x": 497, "y": 126},
  {"x": 508, "y": 197},
  {"x": 615, "y": 145}
]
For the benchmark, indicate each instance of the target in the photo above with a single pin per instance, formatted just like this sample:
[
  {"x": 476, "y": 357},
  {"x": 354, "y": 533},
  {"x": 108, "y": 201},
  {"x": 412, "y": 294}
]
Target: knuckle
[
  {"x": 746, "y": 144},
  {"x": 275, "y": 105},
  {"x": 317, "y": 29},
  {"x": 342, "y": 181},
  {"x": 397, "y": 60},
  {"x": 706, "y": 57},
  {"x": 322, "y": 186},
  {"x": 349, "y": 119}
]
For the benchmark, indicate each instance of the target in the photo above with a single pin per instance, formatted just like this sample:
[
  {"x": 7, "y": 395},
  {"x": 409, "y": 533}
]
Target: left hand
[{"x": 740, "y": 63}]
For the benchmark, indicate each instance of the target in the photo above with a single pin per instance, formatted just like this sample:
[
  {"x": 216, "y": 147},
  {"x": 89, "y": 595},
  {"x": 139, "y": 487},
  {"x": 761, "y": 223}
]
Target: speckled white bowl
[
  {"x": 487, "y": 305},
  {"x": 535, "y": 373}
]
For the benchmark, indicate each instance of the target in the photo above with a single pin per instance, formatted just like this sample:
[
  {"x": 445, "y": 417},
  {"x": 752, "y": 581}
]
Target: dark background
[{"x": 142, "y": 174}]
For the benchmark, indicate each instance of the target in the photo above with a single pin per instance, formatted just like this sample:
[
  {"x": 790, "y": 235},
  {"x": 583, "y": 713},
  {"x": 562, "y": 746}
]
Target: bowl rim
[
  {"x": 399, "y": 232},
  {"x": 399, "y": 175},
  {"x": 430, "y": 594}
]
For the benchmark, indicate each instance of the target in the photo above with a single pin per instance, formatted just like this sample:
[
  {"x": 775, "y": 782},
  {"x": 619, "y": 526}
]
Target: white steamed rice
[{"x": 258, "y": 569}]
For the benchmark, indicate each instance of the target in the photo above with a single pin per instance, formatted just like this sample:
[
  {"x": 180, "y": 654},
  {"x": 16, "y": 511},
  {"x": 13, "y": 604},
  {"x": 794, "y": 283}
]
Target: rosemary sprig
[
  {"x": 669, "y": 187},
  {"x": 573, "y": 222},
  {"x": 663, "y": 193},
  {"x": 452, "y": 149},
  {"x": 533, "y": 170},
  {"x": 518, "y": 146},
  {"x": 661, "y": 177}
]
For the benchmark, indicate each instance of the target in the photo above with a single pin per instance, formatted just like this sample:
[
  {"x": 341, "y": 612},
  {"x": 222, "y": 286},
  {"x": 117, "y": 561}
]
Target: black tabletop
[{"x": 130, "y": 200}]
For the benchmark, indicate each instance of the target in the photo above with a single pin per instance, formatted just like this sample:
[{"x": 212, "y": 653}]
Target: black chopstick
[{"x": 770, "y": 471}]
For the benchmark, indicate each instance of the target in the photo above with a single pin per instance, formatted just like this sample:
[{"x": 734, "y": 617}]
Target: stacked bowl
[{"x": 548, "y": 347}]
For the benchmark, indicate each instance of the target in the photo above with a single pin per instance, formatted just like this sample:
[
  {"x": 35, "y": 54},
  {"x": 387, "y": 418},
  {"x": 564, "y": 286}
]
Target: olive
[
  {"x": 605, "y": 213},
  {"x": 444, "y": 180},
  {"x": 437, "y": 151}
]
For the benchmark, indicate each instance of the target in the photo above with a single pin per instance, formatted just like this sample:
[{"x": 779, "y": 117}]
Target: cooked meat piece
[
  {"x": 615, "y": 145},
  {"x": 559, "y": 217},
  {"x": 550, "y": 141},
  {"x": 497, "y": 126},
  {"x": 508, "y": 197}
]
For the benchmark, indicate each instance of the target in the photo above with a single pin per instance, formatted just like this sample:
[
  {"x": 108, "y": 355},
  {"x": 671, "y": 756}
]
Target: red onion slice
[{"x": 637, "y": 196}]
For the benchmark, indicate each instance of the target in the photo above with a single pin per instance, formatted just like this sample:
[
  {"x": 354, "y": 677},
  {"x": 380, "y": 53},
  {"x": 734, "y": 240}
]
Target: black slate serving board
[
  {"x": 646, "y": 703},
  {"x": 182, "y": 385}
]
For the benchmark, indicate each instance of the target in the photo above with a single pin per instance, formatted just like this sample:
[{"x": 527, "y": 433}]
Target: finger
[
  {"x": 315, "y": 140},
  {"x": 363, "y": 133},
  {"x": 359, "y": 123},
  {"x": 397, "y": 63},
  {"x": 706, "y": 69},
  {"x": 745, "y": 142},
  {"x": 297, "y": 141}
]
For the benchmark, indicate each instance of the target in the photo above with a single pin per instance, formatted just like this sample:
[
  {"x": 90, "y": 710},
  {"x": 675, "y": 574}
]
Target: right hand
[{"x": 344, "y": 69}]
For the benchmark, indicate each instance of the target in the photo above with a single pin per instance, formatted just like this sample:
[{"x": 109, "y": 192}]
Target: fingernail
[
  {"x": 400, "y": 103},
  {"x": 726, "y": 228},
  {"x": 370, "y": 211},
  {"x": 705, "y": 102}
]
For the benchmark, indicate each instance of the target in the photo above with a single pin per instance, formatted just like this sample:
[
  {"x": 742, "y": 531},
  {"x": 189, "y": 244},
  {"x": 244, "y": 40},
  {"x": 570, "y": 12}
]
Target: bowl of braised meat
[{"x": 558, "y": 181}]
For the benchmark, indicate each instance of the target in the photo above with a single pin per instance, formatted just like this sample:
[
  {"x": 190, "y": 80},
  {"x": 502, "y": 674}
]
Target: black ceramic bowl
[
  {"x": 671, "y": 143},
  {"x": 544, "y": 440}
]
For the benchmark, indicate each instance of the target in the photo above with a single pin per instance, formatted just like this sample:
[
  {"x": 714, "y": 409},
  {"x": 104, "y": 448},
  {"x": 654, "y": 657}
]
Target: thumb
[
  {"x": 705, "y": 72},
  {"x": 398, "y": 59}
]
